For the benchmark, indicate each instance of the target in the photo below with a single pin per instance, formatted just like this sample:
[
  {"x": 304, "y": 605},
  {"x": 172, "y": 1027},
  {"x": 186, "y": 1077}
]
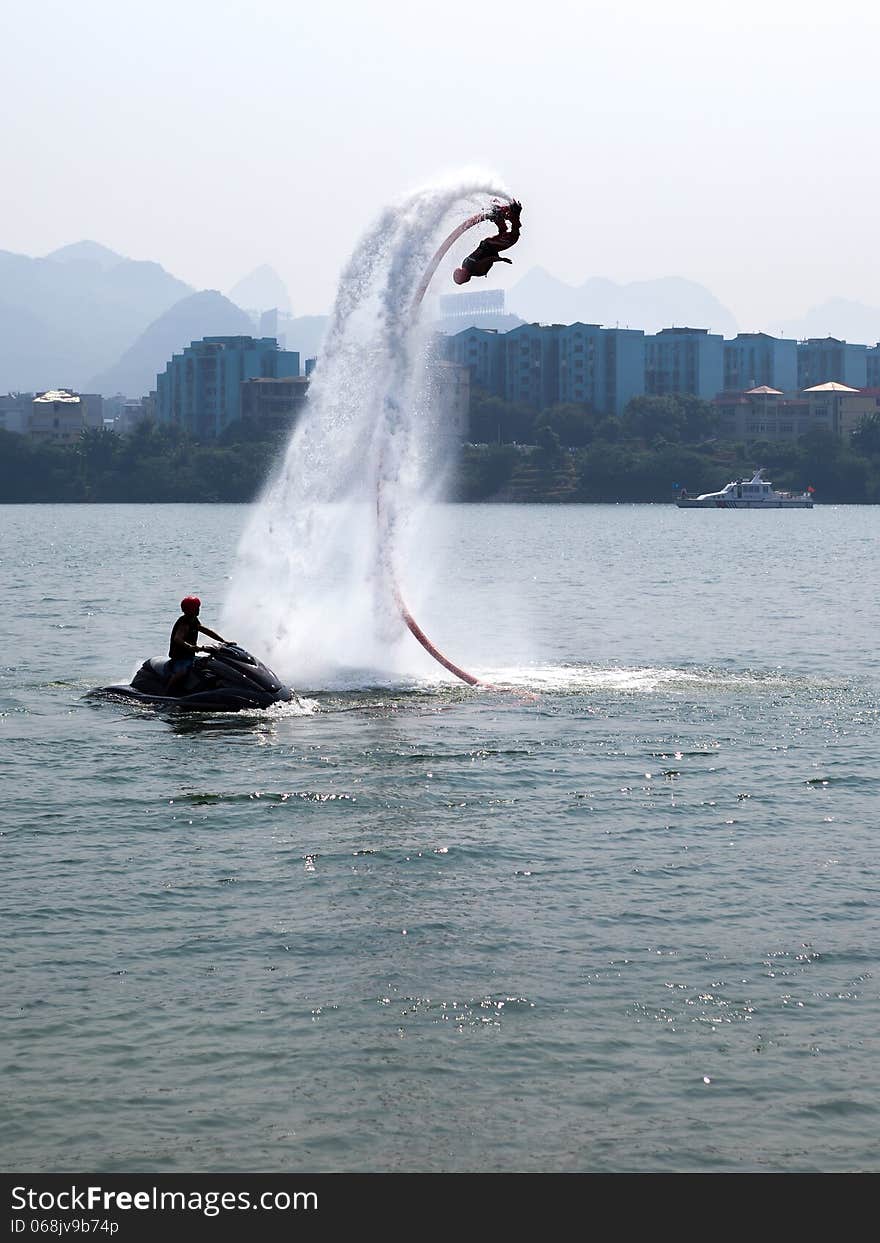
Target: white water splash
[
  {"x": 310, "y": 591},
  {"x": 577, "y": 679}
]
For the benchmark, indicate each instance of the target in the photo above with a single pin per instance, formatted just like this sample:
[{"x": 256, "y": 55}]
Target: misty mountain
[
  {"x": 261, "y": 290},
  {"x": 304, "y": 333},
  {"x": 83, "y": 305},
  {"x": 27, "y": 343},
  {"x": 205, "y": 314},
  {"x": 836, "y": 317},
  {"x": 87, "y": 252},
  {"x": 649, "y": 305}
]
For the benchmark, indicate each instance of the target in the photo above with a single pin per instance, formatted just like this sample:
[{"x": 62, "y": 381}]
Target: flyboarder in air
[{"x": 480, "y": 261}]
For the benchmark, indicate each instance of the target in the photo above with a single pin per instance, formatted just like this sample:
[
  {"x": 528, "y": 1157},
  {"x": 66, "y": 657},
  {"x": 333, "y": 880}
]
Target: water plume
[{"x": 312, "y": 586}]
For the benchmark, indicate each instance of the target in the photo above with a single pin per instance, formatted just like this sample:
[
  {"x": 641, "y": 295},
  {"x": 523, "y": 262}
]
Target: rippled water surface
[{"x": 622, "y": 918}]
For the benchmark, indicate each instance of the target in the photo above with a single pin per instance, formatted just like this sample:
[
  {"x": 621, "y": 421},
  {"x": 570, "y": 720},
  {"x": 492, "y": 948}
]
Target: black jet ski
[{"x": 226, "y": 679}]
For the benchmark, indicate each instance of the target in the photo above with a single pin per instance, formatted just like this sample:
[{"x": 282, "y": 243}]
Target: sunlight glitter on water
[
  {"x": 574, "y": 678},
  {"x": 202, "y": 914}
]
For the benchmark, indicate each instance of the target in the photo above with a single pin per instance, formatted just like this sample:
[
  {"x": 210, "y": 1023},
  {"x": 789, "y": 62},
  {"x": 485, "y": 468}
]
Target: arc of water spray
[{"x": 411, "y": 623}]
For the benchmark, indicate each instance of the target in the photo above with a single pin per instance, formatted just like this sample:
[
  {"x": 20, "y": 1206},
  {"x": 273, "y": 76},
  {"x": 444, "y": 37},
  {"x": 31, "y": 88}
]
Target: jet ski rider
[{"x": 184, "y": 645}]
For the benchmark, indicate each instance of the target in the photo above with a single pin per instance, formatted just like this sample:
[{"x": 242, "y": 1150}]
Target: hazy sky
[{"x": 734, "y": 144}]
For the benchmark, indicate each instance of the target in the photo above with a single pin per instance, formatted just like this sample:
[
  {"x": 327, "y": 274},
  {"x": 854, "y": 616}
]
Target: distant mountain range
[
  {"x": 649, "y": 305},
  {"x": 88, "y": 252},
  {"x": 87, "y": 318},
  {"x": 304, "y": 333},
  {"x": 836, "y": 317},
  {"x": 542, "y": 298},
  {"x": 77, "y": 309},
  {"x": 261, "y": 289},
  {"x": 136, "y": 371},
  {"x": 671, "y": 301}
]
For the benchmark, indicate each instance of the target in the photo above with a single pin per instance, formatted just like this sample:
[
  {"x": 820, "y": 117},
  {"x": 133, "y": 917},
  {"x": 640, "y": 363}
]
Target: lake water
[{"x": 627, "y": 922}]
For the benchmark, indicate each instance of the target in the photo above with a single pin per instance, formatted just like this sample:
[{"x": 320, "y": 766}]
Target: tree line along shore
[{"x": 563, "y": 454}]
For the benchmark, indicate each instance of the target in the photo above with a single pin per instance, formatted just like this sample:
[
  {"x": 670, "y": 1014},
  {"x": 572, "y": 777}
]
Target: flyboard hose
[{"x": 411, "y": 623}]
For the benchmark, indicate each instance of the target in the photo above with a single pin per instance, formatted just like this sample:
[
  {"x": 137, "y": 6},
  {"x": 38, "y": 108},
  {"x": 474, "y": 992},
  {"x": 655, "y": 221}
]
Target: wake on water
[{"x": 312, "y": 586}]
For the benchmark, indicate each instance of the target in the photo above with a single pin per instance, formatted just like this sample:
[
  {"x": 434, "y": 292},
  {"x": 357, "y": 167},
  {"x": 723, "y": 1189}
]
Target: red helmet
[
  {"x": 190, "y": 604},
  {"x": 461, "y": 276}
]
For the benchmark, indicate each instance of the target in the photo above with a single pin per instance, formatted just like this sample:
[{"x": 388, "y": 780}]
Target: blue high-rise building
[
  {"x": 753, "y": 359},
  {"x": 581, "y": 370},
  {"x": 538, "y": 365},
  {"x": 200, "y": 389},
  {"x": 624, "y": 362},
  {"x": 532, "y": 365},
  {"x": 684, "y": 360},
  {"x": 601, "y": 367},
  {"x": 872, "y": 366},
  {"x": 824, "y": 360},
  {"x": 483, "y": 352}
]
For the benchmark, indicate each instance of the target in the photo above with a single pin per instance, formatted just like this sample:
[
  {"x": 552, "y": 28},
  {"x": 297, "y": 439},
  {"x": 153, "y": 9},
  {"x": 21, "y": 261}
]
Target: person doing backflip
[
  {"x": 184, "y": 644},
  {"x": 480, "y": 261}
]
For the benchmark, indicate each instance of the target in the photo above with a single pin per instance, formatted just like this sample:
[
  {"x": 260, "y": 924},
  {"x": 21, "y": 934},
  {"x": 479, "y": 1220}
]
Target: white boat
[{"x": 756, "y": 493}]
